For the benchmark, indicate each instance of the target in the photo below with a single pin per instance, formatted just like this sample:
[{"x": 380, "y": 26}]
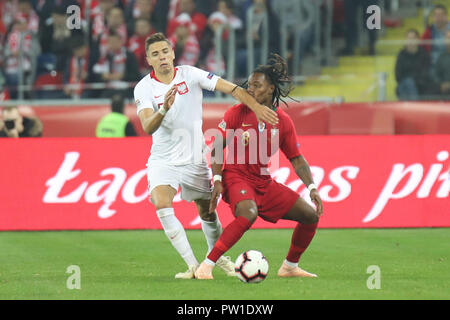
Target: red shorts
[{"x": 273, "y": 201}]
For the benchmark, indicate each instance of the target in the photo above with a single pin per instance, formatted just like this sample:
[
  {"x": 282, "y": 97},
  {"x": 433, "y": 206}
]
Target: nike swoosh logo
[
  {"x": 156, "y": 97},
  {"x": 246, "y": 125}
]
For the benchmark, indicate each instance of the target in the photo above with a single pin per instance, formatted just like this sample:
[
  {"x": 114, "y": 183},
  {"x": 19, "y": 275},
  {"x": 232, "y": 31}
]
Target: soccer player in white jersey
[{"x": 169, "y": 106}]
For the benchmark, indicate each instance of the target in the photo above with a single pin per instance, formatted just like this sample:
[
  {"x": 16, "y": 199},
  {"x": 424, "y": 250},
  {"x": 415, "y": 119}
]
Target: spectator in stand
[
  {"x": 44, "y": 8},
  {"x": 160, "y": 15},
  {"x": 25, "y": 9},
  {"x": 118, "y": 66},
  {"x": 259, "y": 7},
  {"x": 208, "y": 59},
  {"x": 352, "y": 10},
  {"x": 138, "y": 9},
  {"x": 99, "y": 15},
  {"x": 20, "y": 44},
  {"x": 115, "y": 22},
  {"x": 412, "y": 69},
  {"x": 443, "y": 70},
  {"x": 136, "y": 44},
  {"x": 18, "y": 126},
  {"x": 8, "y": 11},
  {"x": 436, "y": 32},
  {"x": 291, "y": 11},
  {"x": 184, "y": 41},
  {"x": 55, "y": 38},
  {"x": 199, "y": 20},
  {"x": 78, "y": 70},
  {"x": 226, "y": 7}
]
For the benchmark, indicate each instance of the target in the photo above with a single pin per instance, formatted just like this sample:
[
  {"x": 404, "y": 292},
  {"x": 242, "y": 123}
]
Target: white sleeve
[
  {"x": 142, "y": 98},
  {"x": 206, "y": 80}
]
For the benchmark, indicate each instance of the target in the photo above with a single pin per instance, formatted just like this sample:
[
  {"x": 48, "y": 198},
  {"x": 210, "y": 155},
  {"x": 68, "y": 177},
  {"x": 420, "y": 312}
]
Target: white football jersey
[{"x": 179, "y": 139}]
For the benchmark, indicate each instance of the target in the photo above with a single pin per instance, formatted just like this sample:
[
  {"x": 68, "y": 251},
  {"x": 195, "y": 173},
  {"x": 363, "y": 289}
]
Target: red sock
[
  {"x": 230, "y": 235},
  {"x": 301, "y": 238}
]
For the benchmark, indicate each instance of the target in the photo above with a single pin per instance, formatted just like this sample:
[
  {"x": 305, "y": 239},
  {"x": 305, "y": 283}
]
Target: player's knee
[
  {"x": 314, "y": 219},
  {"x": 311, "y": 217},
  {"x": 247, "y": 210}
]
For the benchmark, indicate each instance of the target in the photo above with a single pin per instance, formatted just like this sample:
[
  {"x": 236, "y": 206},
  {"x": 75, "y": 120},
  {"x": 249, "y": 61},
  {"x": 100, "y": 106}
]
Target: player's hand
[
  {"x": 314, "y": 194},
  {"x": 217, "y": 191},
  {"x": 265, "y": 114},
  {"x": 169, "y": 98}
]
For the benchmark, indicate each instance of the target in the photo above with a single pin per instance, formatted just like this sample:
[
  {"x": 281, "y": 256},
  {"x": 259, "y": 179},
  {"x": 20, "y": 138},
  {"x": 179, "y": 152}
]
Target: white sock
[
  {"x": 212, "y": 231},
  {"x": 291, "y": 264},
  {"x": 177, "y": 235}
]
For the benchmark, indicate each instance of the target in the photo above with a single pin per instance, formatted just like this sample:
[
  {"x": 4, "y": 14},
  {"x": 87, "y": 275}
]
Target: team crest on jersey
[
  {"x": 261, "y": 126},
  {"x": 210, "y": 75},
  {"x": 245, "y": 138},
  {"x": 223, "y": 125},
  {"x": 138, "y": 102},
  {"x": 182, "y": 88}
]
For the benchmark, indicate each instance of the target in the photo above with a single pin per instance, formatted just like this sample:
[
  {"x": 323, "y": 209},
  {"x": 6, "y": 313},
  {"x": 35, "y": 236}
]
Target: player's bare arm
[
  {"x": 303, "y": 171},
  {"x": 151, "y": 120},
  {"x": 216, "y": 167},
  {"x": 263, "y": 113}
]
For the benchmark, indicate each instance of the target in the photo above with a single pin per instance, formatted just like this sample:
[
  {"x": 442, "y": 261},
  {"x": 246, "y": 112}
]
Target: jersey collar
[{"x": 153, "y": 76}]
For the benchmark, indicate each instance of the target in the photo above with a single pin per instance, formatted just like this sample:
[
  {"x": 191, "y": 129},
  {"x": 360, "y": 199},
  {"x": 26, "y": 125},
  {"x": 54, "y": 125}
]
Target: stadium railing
[
  {"x": 230, "y": 63},
  {"x": 251, "y": 16}
]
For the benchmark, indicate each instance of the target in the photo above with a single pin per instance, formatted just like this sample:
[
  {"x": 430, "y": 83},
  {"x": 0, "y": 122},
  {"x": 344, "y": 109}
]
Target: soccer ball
[{"x": 251, "y": 267}]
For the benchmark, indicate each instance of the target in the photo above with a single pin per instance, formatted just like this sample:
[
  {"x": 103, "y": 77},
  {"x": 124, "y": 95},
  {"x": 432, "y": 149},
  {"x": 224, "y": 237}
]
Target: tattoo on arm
[{"x": 302, "y": 170}]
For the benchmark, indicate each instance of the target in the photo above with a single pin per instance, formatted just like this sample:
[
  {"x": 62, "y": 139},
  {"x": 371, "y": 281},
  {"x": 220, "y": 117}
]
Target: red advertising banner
[{"x": 89, "y": 183}]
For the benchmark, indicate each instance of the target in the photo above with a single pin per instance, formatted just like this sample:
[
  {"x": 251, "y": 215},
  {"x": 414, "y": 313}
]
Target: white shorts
[{"x": 194, "y": 179}]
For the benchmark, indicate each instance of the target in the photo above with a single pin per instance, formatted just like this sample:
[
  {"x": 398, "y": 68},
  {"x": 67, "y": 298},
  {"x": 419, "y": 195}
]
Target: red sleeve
[{"x": 289, "y": 145}]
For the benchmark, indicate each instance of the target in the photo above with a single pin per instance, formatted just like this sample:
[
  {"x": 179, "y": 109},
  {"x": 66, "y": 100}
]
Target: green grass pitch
[{"x": 413, "y": 264}]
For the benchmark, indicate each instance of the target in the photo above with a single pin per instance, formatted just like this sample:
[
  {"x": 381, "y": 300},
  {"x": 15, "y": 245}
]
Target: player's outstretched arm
[
  {"x": 262, "y": 112},
  {"x": 151, "y": 120},
  {"x": 303, "y": 171}
]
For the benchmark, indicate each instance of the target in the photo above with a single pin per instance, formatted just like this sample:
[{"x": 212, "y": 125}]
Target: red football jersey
[{"x": 255, "y": 142}]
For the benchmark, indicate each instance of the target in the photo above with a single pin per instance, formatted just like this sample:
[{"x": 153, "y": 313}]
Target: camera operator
[{"x": 15, "y": 125}]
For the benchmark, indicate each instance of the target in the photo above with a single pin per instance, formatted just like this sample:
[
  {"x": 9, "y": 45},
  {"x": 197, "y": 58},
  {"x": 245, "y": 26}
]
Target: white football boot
[
  {"x": 226, "y": 265},
  {"x": 189, "y": 274}
]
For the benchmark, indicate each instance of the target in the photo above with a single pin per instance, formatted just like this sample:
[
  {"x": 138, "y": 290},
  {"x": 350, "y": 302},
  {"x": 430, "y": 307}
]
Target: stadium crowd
[
  {"x": 37, "y": 32},
  {"x": 39, "y": 46},
  {"x": 423, "y": 71}
]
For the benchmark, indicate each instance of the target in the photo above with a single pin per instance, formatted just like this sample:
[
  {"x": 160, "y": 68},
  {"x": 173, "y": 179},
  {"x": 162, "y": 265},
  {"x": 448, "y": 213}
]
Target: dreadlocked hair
[{"x": 276, "y": 72}]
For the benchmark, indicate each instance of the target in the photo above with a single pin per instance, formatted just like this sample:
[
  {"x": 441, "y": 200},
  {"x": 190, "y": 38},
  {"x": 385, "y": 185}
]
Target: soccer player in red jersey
[{"x": 245, "y": 182}]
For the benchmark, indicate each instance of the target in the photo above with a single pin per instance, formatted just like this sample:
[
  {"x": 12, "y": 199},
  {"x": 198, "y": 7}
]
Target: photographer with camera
[{"x": 14, "y": 125}]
